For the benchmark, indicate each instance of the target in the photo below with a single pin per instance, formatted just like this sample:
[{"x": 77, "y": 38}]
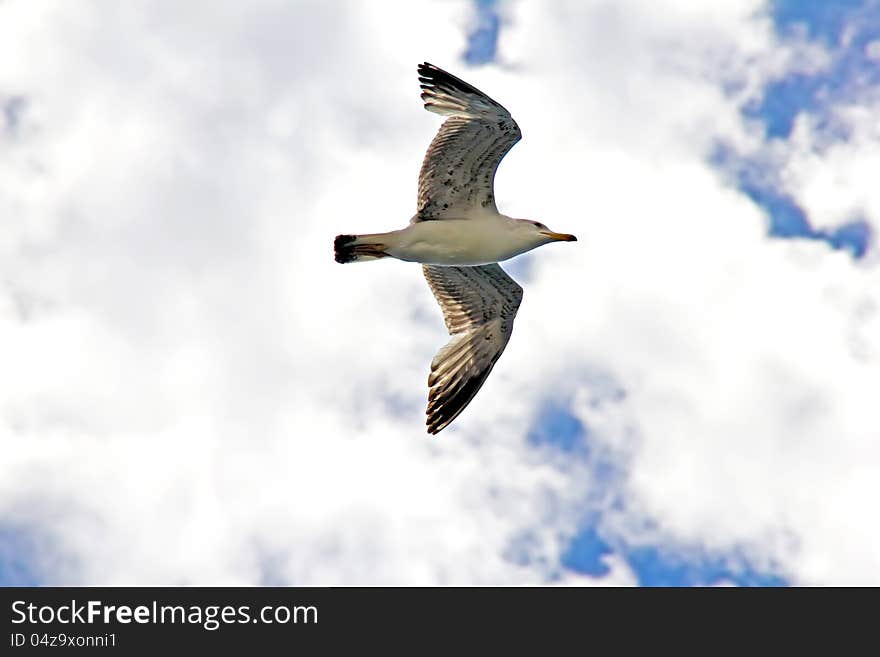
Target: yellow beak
[{"x": 560, "y": 237}]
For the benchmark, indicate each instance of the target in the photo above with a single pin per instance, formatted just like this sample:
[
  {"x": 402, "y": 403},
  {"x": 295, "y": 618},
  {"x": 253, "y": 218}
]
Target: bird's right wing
[
  {"x": 458, "y": 173},
  {"x": 479, "y": 305}
]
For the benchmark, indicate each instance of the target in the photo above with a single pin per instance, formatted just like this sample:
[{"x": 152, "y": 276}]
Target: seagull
[{"x": 459, "y": 237}]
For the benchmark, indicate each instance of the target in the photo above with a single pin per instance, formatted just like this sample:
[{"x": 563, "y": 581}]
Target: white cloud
[
  {"x": 195, "y": 392},
  {"x": 750, "y": 364},
  {"x": 835, "y": 179}
]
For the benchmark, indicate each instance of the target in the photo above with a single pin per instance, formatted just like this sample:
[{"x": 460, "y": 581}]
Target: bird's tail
[{"x": 359, "y": 248}]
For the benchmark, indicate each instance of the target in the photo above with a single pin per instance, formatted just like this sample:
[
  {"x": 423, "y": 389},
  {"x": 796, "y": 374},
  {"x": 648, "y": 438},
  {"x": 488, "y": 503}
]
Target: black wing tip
[
  {"x": 426, "y": 72},
  {"x": 435, "y": 426},
  {"x": 441, "y": 413},
  {"x": 434, "y": 80},
  {"x": 431, "y": 76}
]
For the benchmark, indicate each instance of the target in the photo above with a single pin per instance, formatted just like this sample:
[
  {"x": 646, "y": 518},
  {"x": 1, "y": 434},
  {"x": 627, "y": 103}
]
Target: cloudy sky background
[{"x": 193, "y": 392}]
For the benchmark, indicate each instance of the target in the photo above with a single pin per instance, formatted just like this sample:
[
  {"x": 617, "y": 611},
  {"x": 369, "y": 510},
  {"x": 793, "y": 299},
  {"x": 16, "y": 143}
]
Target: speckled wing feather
[
  {"x": 479, "y": 305},
  {"x": 457, "y": 176}
]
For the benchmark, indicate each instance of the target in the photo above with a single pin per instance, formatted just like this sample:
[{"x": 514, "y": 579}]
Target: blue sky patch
[
  {"x": 783, "y": 101},
  {"x": 824, "y": 20},
  {"x": 654, "y": 565},
  {"x": 18, "y": 566},
  {"x": 585, "y": 552},
  {"x": 845, "y": 28},
  {"x": 482, "y": 41},
  {"x": 662, "y": 567},
  {"x": 786, "y": 219},
  {"x": 556, "y": 426}
]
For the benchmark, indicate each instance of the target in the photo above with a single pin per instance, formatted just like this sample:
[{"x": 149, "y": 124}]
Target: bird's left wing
[
  {"x": 479, "y": 305},
  {"x": 458, "y": 173}
]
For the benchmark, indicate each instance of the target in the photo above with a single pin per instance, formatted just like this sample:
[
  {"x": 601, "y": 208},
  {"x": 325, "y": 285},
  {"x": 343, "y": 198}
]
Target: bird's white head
[{"x": 540, "y": 234}]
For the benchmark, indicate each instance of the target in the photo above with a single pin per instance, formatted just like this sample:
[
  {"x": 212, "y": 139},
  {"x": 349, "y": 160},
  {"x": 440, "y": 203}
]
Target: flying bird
[{"x": 460, "y": 237}]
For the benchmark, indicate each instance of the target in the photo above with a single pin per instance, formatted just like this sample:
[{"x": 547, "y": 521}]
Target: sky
[{"x": 194, "y": 393}]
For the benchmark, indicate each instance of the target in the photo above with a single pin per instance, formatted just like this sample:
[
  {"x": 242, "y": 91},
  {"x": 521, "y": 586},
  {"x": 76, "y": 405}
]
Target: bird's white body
[{"x": 460, "y": 242}]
